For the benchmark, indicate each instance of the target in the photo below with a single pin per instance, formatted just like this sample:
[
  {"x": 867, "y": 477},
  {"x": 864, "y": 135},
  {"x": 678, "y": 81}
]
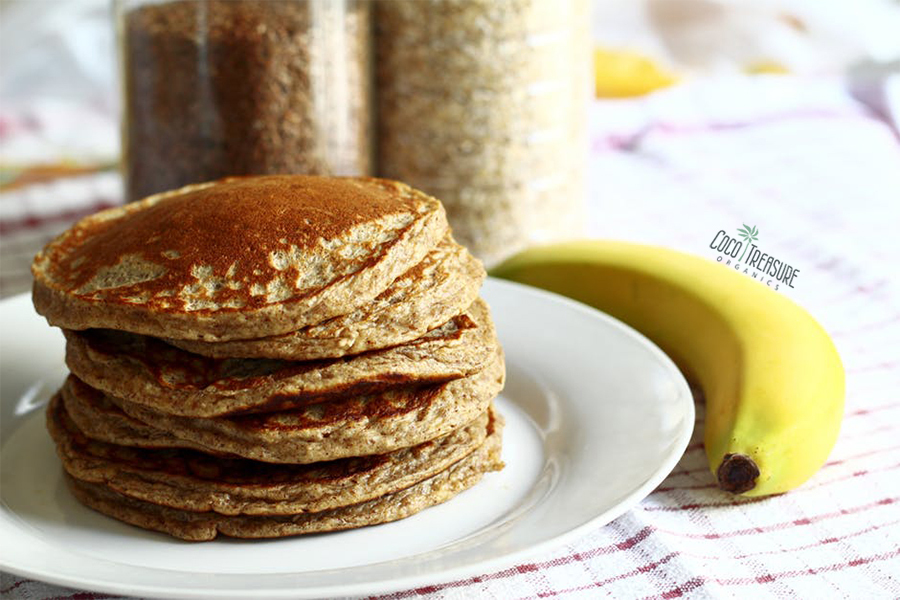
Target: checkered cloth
[{"x": 819, "y": 176}]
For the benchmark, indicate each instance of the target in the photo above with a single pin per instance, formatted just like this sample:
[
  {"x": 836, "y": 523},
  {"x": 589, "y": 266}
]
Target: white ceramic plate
[{"x": 596, "y": 416}]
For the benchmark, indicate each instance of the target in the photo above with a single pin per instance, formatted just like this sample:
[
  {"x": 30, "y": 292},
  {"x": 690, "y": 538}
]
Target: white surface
[{"x": 596, "y": 418}]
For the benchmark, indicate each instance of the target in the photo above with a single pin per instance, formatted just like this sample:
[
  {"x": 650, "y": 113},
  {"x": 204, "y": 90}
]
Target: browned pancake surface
[
  {"x": 147, "y": 371},
  {"x": 195, "y": 481},
  {"x": 102, "y": 420},
  {"x": 355, "y": 426},
  {"x": 441, "y": 286},
  {"x": 201, "y": 526},
  {"x": 238, "y": 258}
]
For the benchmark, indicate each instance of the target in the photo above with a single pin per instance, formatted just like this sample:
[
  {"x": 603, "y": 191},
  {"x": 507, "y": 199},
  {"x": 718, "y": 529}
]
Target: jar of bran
[{"x": 213, "y": 88}]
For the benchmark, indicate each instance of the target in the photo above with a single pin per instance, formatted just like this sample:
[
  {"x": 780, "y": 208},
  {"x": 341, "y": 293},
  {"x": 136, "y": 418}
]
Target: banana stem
[{"x": 737, "y": 473}]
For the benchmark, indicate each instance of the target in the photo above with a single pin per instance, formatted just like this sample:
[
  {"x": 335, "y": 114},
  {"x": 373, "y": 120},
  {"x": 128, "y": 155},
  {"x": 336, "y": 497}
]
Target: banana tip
[{"x": 737, "y": 473}]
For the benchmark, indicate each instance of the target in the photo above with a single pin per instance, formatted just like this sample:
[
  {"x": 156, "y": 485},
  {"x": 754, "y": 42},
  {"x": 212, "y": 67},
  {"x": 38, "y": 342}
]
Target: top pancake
[
  {"x": 239, "y": 258},
  {"x": 426, "y": 296}
]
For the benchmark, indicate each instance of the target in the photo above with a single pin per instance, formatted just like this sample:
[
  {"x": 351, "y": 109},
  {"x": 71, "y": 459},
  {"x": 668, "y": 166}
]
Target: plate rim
[{"x": 436, "y": 577}]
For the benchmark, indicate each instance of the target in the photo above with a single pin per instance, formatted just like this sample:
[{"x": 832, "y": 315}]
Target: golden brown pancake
[
  {"x": 195, "y": 481},
  {"x": 239, "y": 258},
  {"x": 146, "y": 371},
  {"x": 201, "y": 526},
  {"x": 374, "y": 423},
  {"x": 426, "y": 296},
  {"x": 100, "y": 419}
]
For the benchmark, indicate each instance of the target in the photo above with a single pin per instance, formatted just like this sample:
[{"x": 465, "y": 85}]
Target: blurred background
[{"x": 691, "y": 98}]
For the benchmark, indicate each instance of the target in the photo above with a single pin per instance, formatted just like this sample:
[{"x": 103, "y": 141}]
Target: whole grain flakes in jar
[
  {"x": 483, "y": 104},
  {"x": 232, "y": 87}
]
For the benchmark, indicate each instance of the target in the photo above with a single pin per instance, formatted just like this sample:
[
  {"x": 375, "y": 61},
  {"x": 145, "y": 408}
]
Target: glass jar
[
  {"x": 483, "y": 104},
  {"x": 232, "y": 87}
]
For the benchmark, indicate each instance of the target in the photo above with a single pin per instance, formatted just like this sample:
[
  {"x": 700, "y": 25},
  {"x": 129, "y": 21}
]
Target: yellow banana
[
  {"x": 773, "y": 380},
  {"x": 623, "y": 74}
]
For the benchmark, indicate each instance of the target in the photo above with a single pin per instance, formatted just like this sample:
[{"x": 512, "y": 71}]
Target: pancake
[
  {"x": 195, "y": 481},
  {"x": 146, "y": 371},
  {"x": 356, "y": 426},
  {"x": 100, "y": 419},
  {"x": 201, "y": 526},
  {"x": 238, "y": 258},
  {"x": 429, "y": 294}
]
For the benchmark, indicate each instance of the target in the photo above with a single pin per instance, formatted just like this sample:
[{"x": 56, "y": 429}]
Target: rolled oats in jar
[{"x": 483, "y": 104}]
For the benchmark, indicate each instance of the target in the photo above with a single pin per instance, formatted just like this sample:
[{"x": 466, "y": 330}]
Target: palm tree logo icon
[{"x": 749, "y": 234}]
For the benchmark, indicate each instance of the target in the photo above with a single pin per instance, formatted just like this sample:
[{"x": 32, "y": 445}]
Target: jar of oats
[
  {"x": 483, "y": 104},
  {"x": 232, "y": 87}
]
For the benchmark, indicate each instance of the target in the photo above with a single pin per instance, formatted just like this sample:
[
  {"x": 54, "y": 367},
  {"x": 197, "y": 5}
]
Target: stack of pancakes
[{"x": 270, "y": 356}]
